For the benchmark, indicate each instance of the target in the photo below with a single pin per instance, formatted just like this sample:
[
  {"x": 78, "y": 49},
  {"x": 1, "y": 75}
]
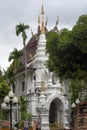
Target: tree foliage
[
  {"x": 4, "y": 87},
  {"x": 14, "y": 66},
  {"x": 23, "y": 112},
  {"x": 59, "y": 52},
  {"x": 15, "y": 57},
  {"x": 52, "y": 49},
  {"x": 68, "y": 52},
  {"x": 22, "y": 103},
  {"x": 20, "y": 29},
  {"x": 10, "y": 75}
]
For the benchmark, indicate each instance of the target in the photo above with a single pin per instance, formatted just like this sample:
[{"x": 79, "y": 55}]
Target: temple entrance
[{"x": 56, "y": 115}]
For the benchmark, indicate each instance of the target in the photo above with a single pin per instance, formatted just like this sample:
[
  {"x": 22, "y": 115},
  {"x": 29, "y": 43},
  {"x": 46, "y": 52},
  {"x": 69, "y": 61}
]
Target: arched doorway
[{"x": 56, "y": 115}]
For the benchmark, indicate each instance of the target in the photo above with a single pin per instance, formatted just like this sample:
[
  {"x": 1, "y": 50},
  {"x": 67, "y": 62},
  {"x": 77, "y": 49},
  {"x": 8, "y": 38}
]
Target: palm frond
[
  {"x": 27, "y": 26},
  {"x": 21, "y": 28},
  {"x": 15, "y": 54}
]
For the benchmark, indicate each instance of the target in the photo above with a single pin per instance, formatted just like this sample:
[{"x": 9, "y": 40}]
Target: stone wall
[{"x": 81, "y": 116}]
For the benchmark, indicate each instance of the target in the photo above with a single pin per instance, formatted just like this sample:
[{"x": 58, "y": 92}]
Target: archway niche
[{"x": 56, "y": 113}]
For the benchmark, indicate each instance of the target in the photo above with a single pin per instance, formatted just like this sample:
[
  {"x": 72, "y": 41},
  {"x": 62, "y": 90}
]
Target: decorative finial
[
  {"x": 57, "y": 21},
  {"x": 38, "y": 24},
  {"x": 46, "y": 22},
  {"x": 31, "y": 32},
  {"x": 42, "y": 13},
  {"x": 38, "y": 19},
  {"x": 42, "y": 86}
]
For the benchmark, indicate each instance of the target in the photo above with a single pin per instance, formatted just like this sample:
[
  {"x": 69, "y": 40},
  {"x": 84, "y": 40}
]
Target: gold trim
[
  {"x": 42, "y": 86},
  {"x": 56, "y": 126}
]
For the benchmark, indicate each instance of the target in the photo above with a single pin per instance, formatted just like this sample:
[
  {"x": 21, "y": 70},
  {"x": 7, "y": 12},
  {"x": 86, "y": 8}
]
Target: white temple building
[{"x": 45, "y": 94}]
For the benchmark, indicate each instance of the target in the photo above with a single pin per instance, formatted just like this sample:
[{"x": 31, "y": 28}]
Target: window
[
  {"x": 23, "y": 86},
  {"x": 34, "y": 77}
]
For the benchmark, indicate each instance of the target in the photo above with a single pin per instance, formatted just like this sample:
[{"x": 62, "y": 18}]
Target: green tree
[
  {"x": 20, "y": 29},
  {"x": 59, "y": 52},
  {"x": 10, "y": 77},
  {"x": 4, "y": 89},
  {"x": 65, "y": 36},
  {"x": 22, "y": 104},
  {"x": 23, "y": 112},
  {"x": 71, "y": 50},
  {"x": 15, "y": 57},
  {"x": 0, "y": 72},
  {"x": 14, "y": 66},
  {"x": 52, "y": 49},
  {"x": 75, "y": 87},
  {"x": 79, "y": 39},
  {"x": 69, "y": 56}
]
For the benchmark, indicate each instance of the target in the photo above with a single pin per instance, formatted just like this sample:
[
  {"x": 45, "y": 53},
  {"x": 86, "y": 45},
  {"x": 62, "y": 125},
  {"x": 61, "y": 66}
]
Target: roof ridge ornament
[
  {"x": 31, "y": 32},
  {"x": 39, "y": 24},
  {"x": 57, "y": 21},
  {"x": 46, "y": 21}
]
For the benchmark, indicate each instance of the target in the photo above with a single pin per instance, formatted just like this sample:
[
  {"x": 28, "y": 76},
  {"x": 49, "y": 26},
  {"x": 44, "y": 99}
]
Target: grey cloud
[
  {"x": 12, "y": 12},
  {"x": 67, "y": 10}
]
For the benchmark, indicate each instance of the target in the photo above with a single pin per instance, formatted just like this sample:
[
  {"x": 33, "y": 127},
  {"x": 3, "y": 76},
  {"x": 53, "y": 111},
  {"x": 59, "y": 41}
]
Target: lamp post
[
  {"x": 76, "y": 103},
  {"x": 10, "y": 99}
]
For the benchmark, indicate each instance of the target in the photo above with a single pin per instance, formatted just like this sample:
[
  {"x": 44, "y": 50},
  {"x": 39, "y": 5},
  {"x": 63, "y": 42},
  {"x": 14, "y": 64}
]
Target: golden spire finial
[{"x": 42, "y": 13}]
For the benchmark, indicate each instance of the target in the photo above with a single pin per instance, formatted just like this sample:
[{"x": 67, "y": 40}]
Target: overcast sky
[{"x": 12, "y": 12}]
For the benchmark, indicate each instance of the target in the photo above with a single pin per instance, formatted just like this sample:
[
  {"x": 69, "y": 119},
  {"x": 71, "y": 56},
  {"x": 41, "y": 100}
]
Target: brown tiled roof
[
  {"x": 30, "y": 52},
  {"x": 30, "y": 49}
]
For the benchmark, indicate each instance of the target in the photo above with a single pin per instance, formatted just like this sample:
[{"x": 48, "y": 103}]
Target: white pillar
[
  {"x": 33, "y": 104},
  {"x": 66, "y": 121},
  {"x": 44, "y": 119}
]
